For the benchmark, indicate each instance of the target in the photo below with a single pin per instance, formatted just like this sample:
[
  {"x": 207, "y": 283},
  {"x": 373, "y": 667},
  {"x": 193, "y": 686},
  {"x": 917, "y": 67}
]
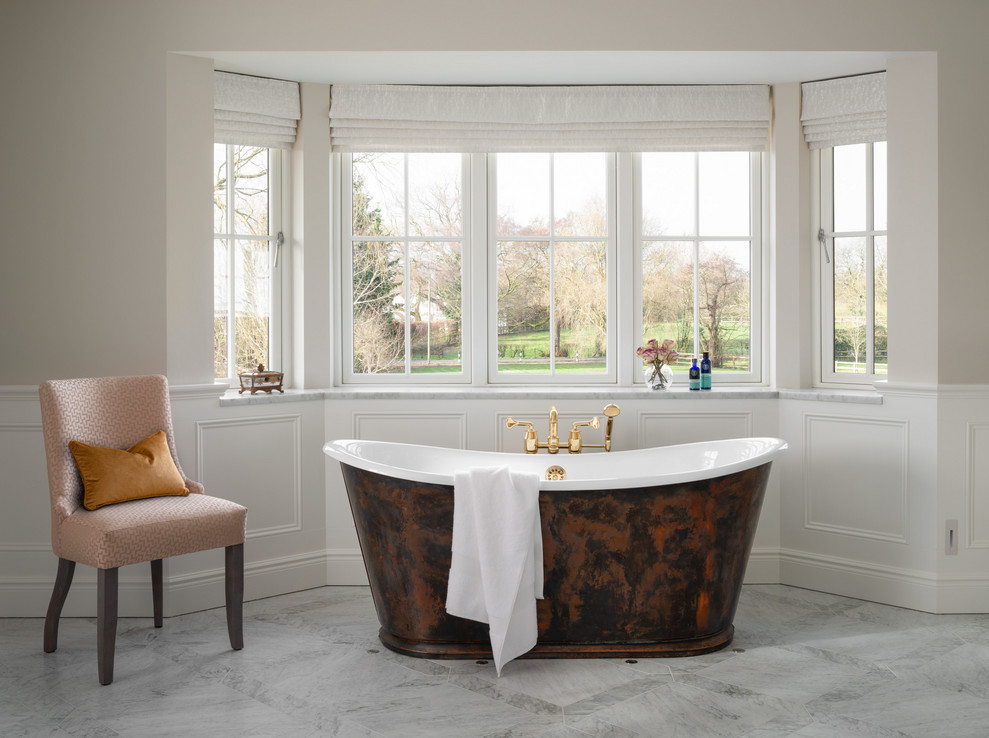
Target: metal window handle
[
  {"x": 278, "y": 248},
  {"x": 824, "y": 244}
]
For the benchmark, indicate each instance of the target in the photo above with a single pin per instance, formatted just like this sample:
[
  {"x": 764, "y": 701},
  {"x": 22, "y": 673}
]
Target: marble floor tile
[
  {"x": 803, "y": 664},
  {"x": 913, "y": 708},
  {"x": 963, "y": 669},
  {"x": 564, "y": 682},
  {"x": 687, "y": 709},
  {"x": 778, "y": 672}
]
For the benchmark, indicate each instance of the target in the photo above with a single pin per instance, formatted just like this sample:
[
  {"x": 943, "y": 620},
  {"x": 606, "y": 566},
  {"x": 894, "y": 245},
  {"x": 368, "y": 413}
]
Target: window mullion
[
  {"x": 552, "y": 266},
  {"x": 231, "y": 267},
  {"x": 697, "y": 254},
  {"x": 870, "y": 266},
  {"x": 407, "y": 271}
]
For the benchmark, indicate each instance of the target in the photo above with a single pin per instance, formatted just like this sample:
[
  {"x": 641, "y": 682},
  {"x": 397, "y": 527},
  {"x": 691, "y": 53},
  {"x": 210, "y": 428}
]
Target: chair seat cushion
[{"x": 144, "y": 530}]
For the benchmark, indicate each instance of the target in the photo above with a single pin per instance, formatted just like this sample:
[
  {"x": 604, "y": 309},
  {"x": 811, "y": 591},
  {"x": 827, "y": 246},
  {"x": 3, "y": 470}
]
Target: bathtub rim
[{"x": 346, "y": 451}]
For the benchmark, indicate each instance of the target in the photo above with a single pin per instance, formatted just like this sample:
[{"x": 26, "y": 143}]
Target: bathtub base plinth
[{"x": 632, "y": 649}]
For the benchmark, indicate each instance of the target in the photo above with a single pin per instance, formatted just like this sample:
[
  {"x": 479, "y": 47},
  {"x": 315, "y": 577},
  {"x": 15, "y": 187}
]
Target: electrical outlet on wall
[{"x": 951, "y": 537}]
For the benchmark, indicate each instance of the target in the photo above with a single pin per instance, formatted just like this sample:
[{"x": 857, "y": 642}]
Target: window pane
[
  {"x": 579, "y": 193},
  {"x": 221, "y": 297},
  {"x": 879, "y": 184},
  {"x": 850, "y": 291},
  {"x": 434, "y": 195},
  {"x": 523, "y": 194},
  {"x": 724, "y": 193},
  {"x": 523, "y": 307},
  {"x": 881, "y": 356},
  {"x": 849, "y": 188},
  {"x": 379, "y": 325},
  {"x": 437, "y": 308},
  {"x": 250, "y": 190},
  {"x": 724, "y": 300},
  {"x": 252, "y": 304},
  {"x": 379, "y": 194},
  {"x": 668, "y": 185},
  {"x": 580, "y": 288},
  {"x": 668, "y": 293},
  {"x": 220, "y": 189}
]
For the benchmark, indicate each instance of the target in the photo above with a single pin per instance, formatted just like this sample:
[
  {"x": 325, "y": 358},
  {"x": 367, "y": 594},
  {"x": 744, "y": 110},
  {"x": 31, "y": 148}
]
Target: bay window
[
  {"x": 253, "y": 120},
  {"x": 405, "y": 256},
  {"x": 547, "y": 254},
  {"x": 844, "y": 122},
  {"x": 516, "y": 234},
  {"x": 553, "y": 237},
  {"x": 853, "y": 262},
  {"x": 698, "y": 232},
  {"x": 246, "y": 208}
]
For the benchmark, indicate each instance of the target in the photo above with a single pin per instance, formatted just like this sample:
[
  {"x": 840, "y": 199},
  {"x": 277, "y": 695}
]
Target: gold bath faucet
[{"x": 574, "y": 443}]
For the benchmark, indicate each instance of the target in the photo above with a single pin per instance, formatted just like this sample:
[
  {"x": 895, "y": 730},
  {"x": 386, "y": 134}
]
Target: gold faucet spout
[{"x": 553, "y": 441}]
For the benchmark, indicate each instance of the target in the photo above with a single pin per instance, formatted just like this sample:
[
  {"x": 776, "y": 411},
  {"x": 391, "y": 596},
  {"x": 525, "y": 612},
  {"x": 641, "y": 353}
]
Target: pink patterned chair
[{"x": 117, "y": 412}]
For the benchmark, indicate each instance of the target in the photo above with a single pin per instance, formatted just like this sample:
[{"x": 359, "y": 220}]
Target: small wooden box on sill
[{"x": 260, "y": 381}]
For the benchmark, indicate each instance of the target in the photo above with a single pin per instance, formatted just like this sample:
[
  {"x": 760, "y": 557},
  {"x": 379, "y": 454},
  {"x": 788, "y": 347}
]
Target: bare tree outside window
[
  {"x": 855, "y": 218},
  {"x": 696, "y": 254},
  {"x": 242, "y": 269},
  {"x": 407, "y": 263},
  {"x": 552, "y": 260}
]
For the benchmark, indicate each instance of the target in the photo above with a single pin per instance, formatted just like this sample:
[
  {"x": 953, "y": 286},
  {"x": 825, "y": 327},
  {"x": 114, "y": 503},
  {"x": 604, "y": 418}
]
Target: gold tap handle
[
  {"x": 512, "y": 422},
  {"x": 593, "y": 422}
]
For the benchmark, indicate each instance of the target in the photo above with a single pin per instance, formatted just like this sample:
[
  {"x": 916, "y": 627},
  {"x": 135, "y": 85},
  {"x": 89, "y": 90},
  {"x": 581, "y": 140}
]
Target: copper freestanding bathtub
[{"x": 644, "y": 551}]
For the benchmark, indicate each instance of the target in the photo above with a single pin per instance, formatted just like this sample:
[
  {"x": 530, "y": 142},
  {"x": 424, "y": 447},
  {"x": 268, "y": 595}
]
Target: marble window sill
[{"x": 868, "y": 397}]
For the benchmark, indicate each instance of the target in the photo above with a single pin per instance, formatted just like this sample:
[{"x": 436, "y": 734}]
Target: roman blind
[
  {"x": 849, "y": 110},
  {"x": 255, "y": 111},
  {"x": 415, "y": 118}
]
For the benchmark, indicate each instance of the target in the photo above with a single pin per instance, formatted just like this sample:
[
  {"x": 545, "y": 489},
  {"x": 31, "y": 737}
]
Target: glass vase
[{"x": 659, "y": 379}]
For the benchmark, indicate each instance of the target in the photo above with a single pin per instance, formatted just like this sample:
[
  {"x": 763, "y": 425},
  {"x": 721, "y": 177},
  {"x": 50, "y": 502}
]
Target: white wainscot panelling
[
  {"x": 255, "y": 461},
  {"x": 978, "y": 485},
  {"x": 428, "y": 428},
  {"x": 671, "y": 428},
  {"x": 855, "y": 473},
  {"x": 27, "y": 522}
]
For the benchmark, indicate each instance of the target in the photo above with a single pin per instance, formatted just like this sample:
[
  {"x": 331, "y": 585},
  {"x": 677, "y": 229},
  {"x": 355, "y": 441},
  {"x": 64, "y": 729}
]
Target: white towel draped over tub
[{"x": 496, "y": 570}]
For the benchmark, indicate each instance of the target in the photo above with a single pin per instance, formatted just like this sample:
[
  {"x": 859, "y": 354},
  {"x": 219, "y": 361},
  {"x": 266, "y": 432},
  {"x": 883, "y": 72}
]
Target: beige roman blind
[
  {"x": 255, "y": 111},
  {"x": 849, "y": 110},
  {"x": 415, "y": 118}
]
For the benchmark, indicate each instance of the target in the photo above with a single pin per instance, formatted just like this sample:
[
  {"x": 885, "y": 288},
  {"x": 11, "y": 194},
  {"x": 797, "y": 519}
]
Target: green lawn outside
[{"x": 535, "y": 346}]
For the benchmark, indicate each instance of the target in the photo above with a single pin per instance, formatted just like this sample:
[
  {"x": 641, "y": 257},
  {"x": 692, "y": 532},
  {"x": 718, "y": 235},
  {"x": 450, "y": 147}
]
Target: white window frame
[
  {"x": 348, "y": 239},
  {"x": 479, "y": 286},
  {"x": 609, "y": 376},
  {"x": 275, "y": 258},
  {"x": 756, "y": 252},
  {"x": 823, "y": 173}
]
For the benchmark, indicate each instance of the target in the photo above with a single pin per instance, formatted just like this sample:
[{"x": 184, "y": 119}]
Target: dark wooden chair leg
[
  {"x": 234, "y": 565},
  {"x": 106, "y": 622},
  {"x": 63, "y": 580},
  {"x": 156, "y": 591}
]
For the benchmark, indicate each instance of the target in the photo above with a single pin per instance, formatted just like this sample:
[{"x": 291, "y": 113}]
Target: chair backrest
[{"x": 115, "y": 412}]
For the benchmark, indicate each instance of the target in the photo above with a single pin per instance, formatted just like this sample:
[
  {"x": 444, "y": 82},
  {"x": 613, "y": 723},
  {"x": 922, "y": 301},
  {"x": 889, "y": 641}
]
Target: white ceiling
[{"x": 549, "y": 67}]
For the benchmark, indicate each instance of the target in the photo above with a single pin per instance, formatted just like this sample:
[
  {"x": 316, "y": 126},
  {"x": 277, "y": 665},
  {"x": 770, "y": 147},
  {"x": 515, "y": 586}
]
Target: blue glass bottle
[
  {"x": 706, "y": 371},
  {"x": 695, "y": 374}
]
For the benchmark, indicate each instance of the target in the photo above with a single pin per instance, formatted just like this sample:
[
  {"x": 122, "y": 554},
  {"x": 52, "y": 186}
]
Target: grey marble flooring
[{"x": 803, "y": 664}]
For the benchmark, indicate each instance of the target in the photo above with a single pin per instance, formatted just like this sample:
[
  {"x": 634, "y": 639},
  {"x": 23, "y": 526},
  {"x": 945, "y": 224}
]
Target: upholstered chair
[{"x": 118, "y": 412}]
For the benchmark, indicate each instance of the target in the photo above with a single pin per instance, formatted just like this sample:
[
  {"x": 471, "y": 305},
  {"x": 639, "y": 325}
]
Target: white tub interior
[{"x": 616, "y": 470}]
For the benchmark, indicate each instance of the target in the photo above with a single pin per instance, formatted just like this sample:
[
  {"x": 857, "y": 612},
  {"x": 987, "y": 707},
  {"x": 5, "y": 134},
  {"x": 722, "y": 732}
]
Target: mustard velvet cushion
[{"x": 110, "y": 475}]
